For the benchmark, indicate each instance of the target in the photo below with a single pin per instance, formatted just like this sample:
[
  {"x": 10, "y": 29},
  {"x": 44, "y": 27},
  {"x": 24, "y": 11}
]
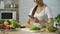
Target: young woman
[{"x": 39, "y": 15}]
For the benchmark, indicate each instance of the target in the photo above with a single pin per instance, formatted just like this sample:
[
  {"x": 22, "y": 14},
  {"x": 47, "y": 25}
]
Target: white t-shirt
[{"x": 43, "y": 15}]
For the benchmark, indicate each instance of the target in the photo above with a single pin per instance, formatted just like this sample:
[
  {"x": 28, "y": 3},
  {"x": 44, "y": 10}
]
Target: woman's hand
[{"x": 34, "y": 19}]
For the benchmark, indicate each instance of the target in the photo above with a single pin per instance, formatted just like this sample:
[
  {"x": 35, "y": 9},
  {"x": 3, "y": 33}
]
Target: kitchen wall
[
  {"x": 26, "y": 5},
  {"x": 54, "y": 5}
]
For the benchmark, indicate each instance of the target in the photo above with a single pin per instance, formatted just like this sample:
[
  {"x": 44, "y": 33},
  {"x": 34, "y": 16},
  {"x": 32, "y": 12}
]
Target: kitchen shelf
[{"x": 9, "y": 9}]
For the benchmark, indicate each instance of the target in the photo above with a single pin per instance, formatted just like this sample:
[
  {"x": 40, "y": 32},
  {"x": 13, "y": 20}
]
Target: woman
[{"x": 40, "y": 14}]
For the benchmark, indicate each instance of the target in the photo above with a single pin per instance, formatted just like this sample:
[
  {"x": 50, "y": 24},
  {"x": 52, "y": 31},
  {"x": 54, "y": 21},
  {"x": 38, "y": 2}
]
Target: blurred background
[{"x": 26, "y": 5}]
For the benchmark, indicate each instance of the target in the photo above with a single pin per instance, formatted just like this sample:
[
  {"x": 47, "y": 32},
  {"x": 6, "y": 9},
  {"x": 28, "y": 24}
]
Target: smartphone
[{"x": 30, "y": 16}]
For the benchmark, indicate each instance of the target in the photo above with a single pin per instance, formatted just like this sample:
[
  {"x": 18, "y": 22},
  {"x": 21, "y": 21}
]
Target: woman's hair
[{"x": 34, "y": 10}]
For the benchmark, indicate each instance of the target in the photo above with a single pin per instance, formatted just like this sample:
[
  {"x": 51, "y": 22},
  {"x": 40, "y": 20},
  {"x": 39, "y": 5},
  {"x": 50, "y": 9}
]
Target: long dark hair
[{"x": 34, "y": 10}]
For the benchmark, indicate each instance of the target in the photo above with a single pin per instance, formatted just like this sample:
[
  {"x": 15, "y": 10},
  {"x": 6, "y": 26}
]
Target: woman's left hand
[{"x": 34, "y": 20}]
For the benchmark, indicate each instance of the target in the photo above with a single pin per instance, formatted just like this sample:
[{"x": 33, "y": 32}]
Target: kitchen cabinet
[{"x": 11, "y": 5}]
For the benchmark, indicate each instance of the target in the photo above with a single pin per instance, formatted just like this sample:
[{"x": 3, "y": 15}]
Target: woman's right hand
[
  {"x": 34, "y": 19},
  {"x": 27, "y": 23}
]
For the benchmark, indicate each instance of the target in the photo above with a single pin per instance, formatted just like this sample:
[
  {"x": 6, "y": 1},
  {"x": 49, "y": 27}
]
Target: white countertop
[{"x": 21, "y": 31}]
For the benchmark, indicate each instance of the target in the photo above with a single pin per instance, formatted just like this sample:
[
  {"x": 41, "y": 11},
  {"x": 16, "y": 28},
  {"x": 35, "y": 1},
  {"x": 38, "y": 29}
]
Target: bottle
[
  {"x": 11, "y": 5},
  {"x": 2, "y": 5},
  {"x": 14, "y": 5}
]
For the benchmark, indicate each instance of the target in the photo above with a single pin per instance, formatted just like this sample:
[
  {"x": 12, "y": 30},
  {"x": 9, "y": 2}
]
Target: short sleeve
[{"x": 48, "y": 12}]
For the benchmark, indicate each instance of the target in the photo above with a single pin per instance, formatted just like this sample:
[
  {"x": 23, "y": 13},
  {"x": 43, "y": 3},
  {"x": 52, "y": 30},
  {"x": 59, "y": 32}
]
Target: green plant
[
  {"x": 51, "y": 28},
  {"x": 15, "y": 24},
  {"x": 35, "y": 28},
  {"x": 1, "y": 21},
  {"x": 58, "y": 18}
]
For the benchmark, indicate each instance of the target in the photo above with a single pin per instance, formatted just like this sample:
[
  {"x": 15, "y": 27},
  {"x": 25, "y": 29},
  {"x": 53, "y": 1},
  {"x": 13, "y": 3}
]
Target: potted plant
[{"x": 57, "y": 18}]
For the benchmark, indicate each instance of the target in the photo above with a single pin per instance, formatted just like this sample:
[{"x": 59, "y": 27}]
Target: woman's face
[{"x": 38, "y": 1}]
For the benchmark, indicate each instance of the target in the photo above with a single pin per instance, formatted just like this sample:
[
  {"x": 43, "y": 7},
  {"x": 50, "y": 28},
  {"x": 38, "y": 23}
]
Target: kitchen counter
[{"x": 19, "y": 31}]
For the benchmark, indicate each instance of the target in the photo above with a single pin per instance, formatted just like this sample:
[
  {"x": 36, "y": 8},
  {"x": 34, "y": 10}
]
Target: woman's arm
[
  {"x": 43, "y": 23},
  {"x": 28, "y": 22},
  {"x": 50, "y": 21}
]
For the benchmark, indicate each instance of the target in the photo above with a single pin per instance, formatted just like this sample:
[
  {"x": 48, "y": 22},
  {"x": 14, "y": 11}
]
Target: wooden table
[{"x": 19, "y": 31}]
